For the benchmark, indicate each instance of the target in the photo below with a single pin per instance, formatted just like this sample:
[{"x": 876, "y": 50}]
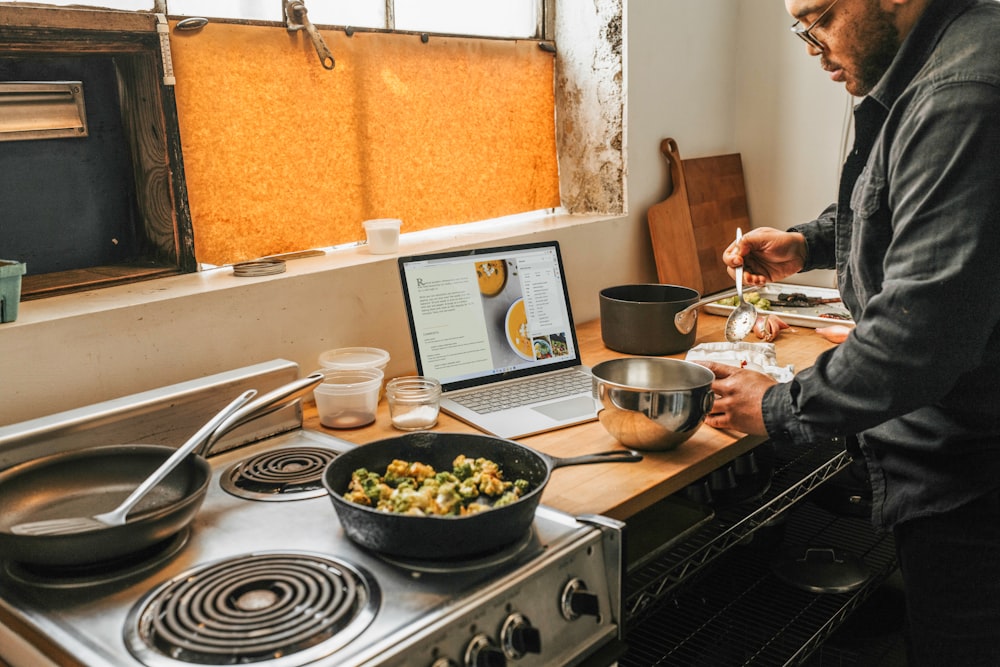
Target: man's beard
[{"x": 878, "y": 42}]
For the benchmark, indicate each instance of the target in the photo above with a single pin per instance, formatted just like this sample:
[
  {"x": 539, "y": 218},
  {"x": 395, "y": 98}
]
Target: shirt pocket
[
  {"x": 871, "y": 232},
  {"x": 869, "y": 195}
]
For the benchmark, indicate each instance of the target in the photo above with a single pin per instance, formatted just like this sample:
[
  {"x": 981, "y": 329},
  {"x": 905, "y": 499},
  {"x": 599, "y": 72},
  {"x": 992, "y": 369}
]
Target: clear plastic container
[
  {"x": 348, "y": 398},
  {"x": 352, "y": 358},
  {"x": 414, "y": 402}
]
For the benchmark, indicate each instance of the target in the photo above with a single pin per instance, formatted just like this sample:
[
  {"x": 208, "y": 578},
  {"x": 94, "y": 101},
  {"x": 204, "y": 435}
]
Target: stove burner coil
[
  {"x": 129, "y": 567},
  {"x": 253, "y": 609},
  {"x": 293, "y": 473}
]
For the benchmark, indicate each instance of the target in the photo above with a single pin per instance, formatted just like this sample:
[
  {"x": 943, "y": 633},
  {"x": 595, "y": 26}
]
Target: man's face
[{"x": 860, "y": 40}]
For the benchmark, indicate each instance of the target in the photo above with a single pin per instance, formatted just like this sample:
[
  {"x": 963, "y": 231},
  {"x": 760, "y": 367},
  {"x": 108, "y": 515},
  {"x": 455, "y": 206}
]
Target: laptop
[{"x": 494, "y": 326}]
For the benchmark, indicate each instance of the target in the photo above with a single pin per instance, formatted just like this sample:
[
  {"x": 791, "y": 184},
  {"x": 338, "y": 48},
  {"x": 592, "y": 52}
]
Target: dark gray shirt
[{"x": 915, "y": 240}]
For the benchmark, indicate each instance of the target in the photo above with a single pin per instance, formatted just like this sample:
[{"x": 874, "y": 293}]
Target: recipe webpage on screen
[
  {"x": 462, "y": 330},
  {"x": 448, "y": 319}
]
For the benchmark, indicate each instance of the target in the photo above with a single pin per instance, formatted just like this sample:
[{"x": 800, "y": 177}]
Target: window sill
[{"x": 516, "y": 229}]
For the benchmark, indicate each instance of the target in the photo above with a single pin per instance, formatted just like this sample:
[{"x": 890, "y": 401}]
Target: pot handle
[
  {"x": 685, "y": 319},
  {"x": 612, "y": 456}
]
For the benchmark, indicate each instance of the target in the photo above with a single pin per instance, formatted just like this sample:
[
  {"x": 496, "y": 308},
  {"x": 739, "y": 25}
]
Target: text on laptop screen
[{"x": 494, "y": 313}]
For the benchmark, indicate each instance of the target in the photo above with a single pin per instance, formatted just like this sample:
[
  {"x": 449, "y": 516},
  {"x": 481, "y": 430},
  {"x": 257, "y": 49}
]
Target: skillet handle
[
  {"x": 612, "y": 456},
  {"x": 264, "y": 405}
]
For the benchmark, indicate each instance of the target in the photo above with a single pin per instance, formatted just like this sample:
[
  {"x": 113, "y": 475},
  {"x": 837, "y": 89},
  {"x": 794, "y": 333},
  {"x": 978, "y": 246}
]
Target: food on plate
[
  {"x": 836, "y": 333},
  {"x": 492, "y": 275},
  {"x": 542, "y": 349},
  {"x": 517, "y": 330},
  {"x": 800, "y": 300},
  {"x": 753, "y": 298},
  {"x": 767, "y": 327},
  {"x": 559, "y": 347},
  {"x": 415, "y": 488}
]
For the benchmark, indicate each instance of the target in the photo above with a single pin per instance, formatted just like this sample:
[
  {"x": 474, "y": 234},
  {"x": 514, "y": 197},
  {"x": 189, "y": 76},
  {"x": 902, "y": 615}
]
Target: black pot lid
[{"x": 821, "y": 570}]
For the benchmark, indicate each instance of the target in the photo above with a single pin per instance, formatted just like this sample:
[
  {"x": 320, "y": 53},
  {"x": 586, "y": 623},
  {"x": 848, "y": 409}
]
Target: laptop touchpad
[{"x": 568, "y": 409}]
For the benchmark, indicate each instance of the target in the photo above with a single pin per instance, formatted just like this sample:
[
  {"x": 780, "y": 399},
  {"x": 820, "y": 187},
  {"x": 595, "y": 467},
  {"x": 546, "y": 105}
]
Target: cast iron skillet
[
  {"x": 447, "y": 538},
  {"x": 92, "y": 480}
]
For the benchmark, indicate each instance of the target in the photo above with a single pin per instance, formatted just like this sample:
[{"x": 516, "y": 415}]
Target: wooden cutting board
[{"x": 698, "y": 219}]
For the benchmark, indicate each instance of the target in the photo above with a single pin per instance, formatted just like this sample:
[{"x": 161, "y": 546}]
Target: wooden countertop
[{"x": 618, "y": 490}]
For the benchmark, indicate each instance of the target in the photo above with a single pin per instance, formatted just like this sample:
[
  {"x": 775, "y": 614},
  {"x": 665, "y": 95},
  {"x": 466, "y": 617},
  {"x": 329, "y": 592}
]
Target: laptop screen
[{"x": 489, "y": 314}]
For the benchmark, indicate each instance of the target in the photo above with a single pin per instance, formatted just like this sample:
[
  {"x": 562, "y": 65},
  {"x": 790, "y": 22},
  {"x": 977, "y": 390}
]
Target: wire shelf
[{"x": 736, "y": 612}]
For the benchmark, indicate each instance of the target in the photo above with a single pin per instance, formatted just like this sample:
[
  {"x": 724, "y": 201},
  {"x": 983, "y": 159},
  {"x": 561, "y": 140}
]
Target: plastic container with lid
[
  {"x": 352, "y": 358},
  {"x": 348, "y": 398},
  {"x": 382, "y": 235},
  {"x": 355, "y": 358}
]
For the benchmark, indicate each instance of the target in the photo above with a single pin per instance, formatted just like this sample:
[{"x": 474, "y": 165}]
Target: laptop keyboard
[{"x": 526, "y": 391}]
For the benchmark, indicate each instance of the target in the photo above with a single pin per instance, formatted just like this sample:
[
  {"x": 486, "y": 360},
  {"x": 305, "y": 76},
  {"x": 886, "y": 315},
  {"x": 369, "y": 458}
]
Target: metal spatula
[{"x": 116, "y": 517}]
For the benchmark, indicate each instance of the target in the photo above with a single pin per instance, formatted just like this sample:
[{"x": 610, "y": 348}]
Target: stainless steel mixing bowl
[{"x": 652, "y": 403}]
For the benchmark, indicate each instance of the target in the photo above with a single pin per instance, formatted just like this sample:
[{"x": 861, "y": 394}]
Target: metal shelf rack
[{"x": 712, "y": 599}]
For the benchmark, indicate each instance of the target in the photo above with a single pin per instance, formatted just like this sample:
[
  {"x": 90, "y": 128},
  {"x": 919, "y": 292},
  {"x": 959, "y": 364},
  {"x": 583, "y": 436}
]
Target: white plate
[{"x": 803, "y": 317}]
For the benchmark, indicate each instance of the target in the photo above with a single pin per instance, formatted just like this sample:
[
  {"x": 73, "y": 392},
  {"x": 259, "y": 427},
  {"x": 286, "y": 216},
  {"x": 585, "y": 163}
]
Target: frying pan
[
  {"x": 89, "y": 481},
  {"x": 447, "y": 538}
]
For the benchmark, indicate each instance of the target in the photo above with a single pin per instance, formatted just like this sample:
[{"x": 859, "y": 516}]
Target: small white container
[
  {"x": 383, "y": 235},
  {"x": 414, "y": 402},
  {"x": 348, "y": 398}
]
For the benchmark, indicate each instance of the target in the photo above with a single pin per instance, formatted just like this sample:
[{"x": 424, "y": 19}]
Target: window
[
  {"x": 486, "y": 18},
  {"x": 230, "y": 188},
  {"x": 513, "y": 19},
  {"x": 105, "y": 207}
]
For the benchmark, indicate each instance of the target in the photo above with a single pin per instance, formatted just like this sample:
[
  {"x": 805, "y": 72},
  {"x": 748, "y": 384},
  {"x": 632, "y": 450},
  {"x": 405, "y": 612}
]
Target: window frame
[
  {"x": 149, "y": 113},
  {"x": 543, "y": 29}
]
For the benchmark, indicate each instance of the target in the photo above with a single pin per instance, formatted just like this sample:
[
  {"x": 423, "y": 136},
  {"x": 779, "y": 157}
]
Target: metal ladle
[
  {"x": 741, "y": 320},
  {"x": 685, "y": 319}
]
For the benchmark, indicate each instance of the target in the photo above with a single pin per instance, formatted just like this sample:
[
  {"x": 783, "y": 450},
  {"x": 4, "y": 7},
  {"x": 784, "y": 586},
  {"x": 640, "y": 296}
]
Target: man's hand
[
  {"x": 767, "y": 255},
  {"x": 738, "y": 397}
]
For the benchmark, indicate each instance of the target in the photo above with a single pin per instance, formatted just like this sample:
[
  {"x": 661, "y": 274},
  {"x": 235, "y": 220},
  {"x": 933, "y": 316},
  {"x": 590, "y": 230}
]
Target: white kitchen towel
[{"x": 758, "y": 357}]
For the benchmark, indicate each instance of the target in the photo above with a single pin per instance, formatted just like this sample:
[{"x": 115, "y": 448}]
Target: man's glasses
[{"x": 805, "y": 33}]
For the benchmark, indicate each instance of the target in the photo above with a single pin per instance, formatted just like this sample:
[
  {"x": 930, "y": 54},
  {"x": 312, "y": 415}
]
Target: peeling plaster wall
[{"x": 590, "y": 99}]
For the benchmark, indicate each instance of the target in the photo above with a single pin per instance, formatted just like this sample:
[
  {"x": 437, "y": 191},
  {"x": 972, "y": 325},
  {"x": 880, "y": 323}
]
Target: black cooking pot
[
  {"x": 447, "y": 538},
  {"x": 639, "y": 319},
  {"x": 91, "y": 481}
]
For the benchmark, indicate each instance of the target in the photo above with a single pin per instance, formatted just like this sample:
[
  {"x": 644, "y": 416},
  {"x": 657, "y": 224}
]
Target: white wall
[{"x": 719, "y": 76}]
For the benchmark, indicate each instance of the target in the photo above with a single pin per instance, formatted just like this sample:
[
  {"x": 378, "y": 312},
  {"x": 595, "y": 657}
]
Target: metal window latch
[{"x": 296, "y": 19}]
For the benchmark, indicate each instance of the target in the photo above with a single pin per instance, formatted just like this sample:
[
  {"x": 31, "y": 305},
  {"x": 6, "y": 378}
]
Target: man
[{"x": 915, "y": 240}]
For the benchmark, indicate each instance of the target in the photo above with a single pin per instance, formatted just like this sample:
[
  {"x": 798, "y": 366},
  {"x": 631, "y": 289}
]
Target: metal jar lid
[{"x": 260, "y": 267}]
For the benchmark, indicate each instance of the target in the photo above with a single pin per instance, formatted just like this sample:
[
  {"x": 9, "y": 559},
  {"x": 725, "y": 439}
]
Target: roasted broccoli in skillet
[{"x": 473, "y": 485}]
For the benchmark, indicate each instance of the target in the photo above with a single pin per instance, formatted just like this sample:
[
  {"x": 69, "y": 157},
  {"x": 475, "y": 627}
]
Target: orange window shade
[{"x": 283, "y": 155}]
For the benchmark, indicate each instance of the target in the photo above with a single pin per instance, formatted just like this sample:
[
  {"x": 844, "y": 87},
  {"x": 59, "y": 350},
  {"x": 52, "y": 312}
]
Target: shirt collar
[{"x": 917, "y": 48}]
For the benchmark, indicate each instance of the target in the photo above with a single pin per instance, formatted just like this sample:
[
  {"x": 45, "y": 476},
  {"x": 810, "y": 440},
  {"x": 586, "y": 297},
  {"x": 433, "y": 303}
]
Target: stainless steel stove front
[{"x": 554, "y": 601}]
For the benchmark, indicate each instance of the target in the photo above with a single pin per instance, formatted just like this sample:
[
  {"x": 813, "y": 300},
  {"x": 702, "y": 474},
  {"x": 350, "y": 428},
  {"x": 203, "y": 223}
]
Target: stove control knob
[
  {"x": 577, "y": 601},
  {"x": 482, "y": 652},
  {"x": 519, "y": 637}
]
